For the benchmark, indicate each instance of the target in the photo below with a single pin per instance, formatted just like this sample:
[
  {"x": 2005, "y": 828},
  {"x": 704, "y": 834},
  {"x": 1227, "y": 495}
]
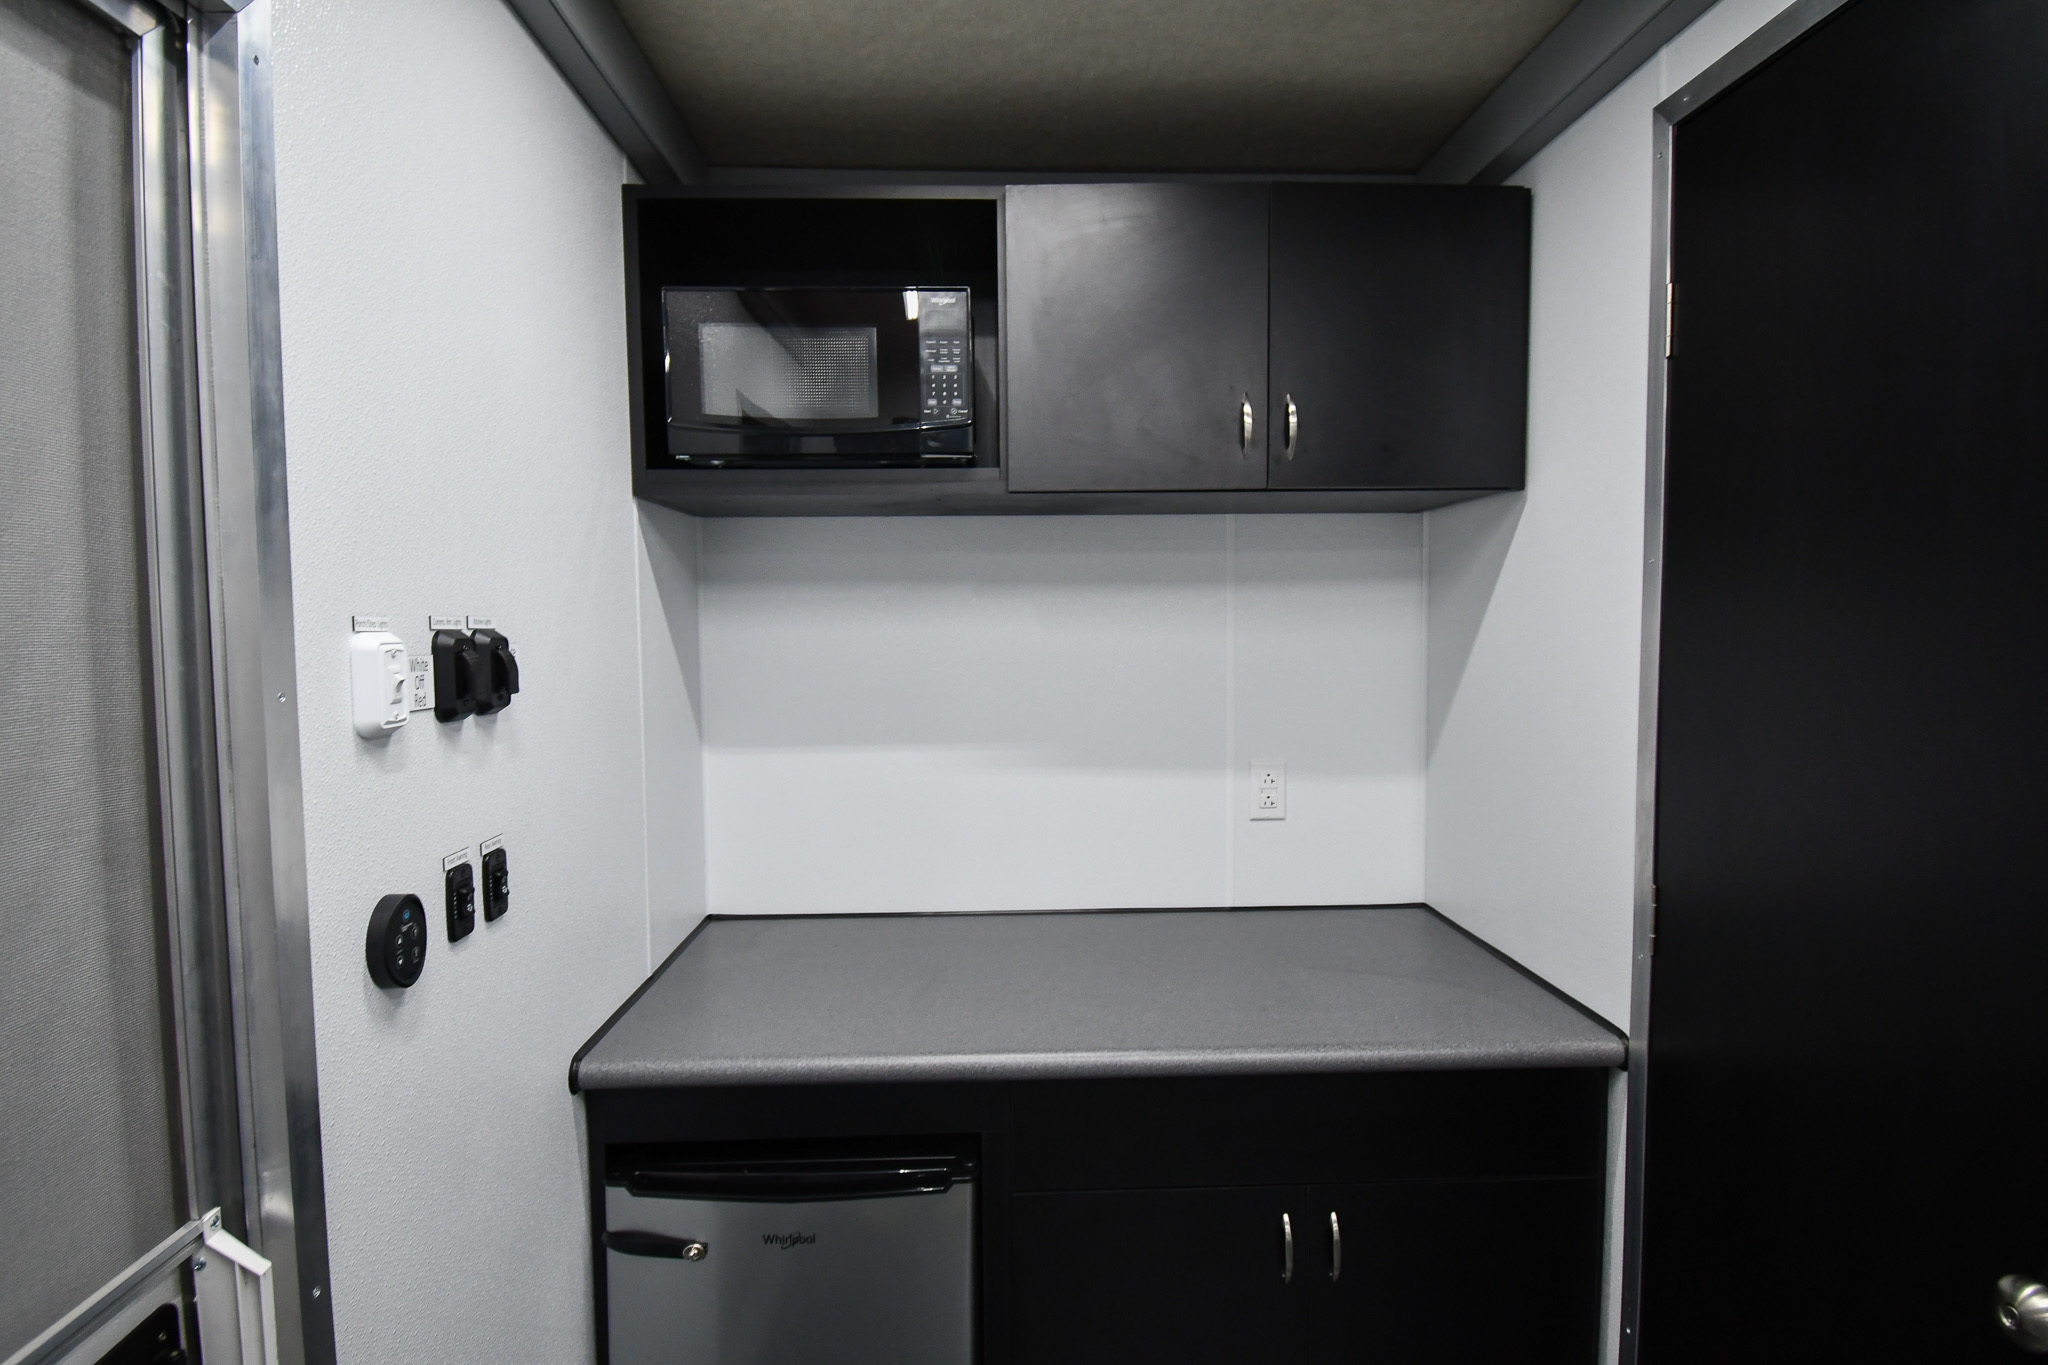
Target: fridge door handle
[
  {"x": 1286, "y": 1249},
  {"x": 1336, "y": 1248},
  {"x": 628, "y": 1242},
  {"x": 792, "y": 1186}
]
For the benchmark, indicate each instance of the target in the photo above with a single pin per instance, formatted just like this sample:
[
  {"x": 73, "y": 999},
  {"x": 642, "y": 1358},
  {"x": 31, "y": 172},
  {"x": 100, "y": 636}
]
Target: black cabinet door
[
  {"x": 1188, "y": 1276},
  {"x": 1455, "y": 1272},
  {"x": 1400, "y": 335},
  {"x": 1136, "y": 322}
]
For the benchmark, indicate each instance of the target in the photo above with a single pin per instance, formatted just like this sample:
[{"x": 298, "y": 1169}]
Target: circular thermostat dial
[{"x": 397, "y": 944}]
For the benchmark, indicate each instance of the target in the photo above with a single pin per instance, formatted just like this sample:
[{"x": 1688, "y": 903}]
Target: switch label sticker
[{"x": 422, "y": 682}]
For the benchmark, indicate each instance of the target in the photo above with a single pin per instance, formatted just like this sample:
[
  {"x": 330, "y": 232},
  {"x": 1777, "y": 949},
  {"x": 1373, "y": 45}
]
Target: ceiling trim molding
[
  {"x": 1595, "y": 48},
  {"x": 595, "y": 52}
]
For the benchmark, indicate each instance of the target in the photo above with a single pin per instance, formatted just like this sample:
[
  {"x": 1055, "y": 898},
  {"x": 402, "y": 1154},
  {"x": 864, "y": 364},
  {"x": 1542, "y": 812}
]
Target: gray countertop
[{"x": 767, "y": 1001}]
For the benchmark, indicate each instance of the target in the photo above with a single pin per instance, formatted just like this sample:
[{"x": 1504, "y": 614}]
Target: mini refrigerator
[{"x": 769, "y": 1258}]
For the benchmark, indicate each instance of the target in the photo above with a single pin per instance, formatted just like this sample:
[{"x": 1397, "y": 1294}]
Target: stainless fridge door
[{"x": 886, "y": 1281}]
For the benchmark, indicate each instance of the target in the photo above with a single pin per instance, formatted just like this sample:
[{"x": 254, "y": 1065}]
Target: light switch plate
[{"x": 379, "y": 680}]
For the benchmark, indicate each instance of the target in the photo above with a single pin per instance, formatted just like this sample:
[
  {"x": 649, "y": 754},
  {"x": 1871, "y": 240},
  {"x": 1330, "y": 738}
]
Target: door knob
[{"x": 2023, "y": 1313}]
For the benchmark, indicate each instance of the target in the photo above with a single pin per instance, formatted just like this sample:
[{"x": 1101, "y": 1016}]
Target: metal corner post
[
  {"x": 249, "y": 568},
  {"x": 1646, "y": 755}
]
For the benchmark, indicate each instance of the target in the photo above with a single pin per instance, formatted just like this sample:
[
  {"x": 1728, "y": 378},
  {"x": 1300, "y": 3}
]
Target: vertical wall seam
[
  {"x": 1229, "y": 709},
  {"x": 638, "y": 543},
  {"x": 1428, "y": 700},
  {"x": 703, "y": 718}
]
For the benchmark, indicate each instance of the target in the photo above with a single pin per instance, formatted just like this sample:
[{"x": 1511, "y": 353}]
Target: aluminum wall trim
[
  {"x": 256, "y": 712},
  {"x": 600, "y": 59},
  {"x": 181, "y": 638},
  {"x": 1595, "y": 48},
  {"x": 1785, "y": 28},
  {"x": 1640, "y": 962},
  {"x": 130, "y": 16},
  {"x": 71, "y": 1329}
]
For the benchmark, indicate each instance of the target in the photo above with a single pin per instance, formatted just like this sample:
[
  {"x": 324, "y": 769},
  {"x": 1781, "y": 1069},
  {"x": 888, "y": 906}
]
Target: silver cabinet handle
[
  {"x": 1293, "y": 430},
  {"x": 1336, "y": 1240},
  {"x": 2023, "y": 1313},
  {"x": 1286, "y": 1248},
  {"x": 1244, "y": 442}
]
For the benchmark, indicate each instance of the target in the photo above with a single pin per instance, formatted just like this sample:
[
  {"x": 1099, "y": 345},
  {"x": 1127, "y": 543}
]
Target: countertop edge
[{"x": 1605, "y": 1054}]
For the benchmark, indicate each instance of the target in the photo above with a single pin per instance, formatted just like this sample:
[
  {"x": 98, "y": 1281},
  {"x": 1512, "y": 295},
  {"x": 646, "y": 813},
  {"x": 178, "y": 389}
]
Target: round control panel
[{"x": 397, "y": 945}]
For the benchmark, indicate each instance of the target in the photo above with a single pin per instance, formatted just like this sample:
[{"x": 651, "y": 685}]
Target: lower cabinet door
[
  {"x": 1457, "y": 1272},
  {"x": 1185, "y": 1276}
]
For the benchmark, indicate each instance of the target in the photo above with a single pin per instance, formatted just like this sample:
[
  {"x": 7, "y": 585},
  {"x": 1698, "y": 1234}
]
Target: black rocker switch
[
  {"x": 498, "y": 676},
  {"x": 497, "y": 885},
  {"x": 397, "y": 944},
  {"x": 457, "y": 666},
  {"x": 459, "y": 883}
]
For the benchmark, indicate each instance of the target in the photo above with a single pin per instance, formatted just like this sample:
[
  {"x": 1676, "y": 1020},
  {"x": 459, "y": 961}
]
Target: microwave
[{"x": 808, "y": 377}]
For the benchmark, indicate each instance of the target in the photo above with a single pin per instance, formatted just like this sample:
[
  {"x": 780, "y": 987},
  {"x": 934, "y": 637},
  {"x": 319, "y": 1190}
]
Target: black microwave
[{"x": 782, "y": 377}]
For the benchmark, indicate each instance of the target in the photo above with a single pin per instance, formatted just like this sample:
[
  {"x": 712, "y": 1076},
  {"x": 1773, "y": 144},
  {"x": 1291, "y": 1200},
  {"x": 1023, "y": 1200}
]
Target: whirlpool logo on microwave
[{"x": 783, "y": 1241}]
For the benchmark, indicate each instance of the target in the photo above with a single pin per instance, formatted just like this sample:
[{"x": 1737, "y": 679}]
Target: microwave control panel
[{"x": 945, "y": 344}]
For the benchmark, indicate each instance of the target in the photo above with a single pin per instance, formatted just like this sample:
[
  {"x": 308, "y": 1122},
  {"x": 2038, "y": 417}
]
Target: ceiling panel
[{"x": 1083, "y": 85}]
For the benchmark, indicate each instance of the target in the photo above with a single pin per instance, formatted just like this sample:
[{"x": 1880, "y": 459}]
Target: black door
[
  {"x": 1137, "y": 336},
  {"x": 1846, "y": 1095},
  {"x": 1189, "y": 1276},
  {"x": 1456, "y": 1272},
  {"x": 1400, "y": 336}
]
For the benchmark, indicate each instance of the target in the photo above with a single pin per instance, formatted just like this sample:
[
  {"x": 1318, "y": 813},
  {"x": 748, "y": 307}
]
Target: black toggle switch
[
  {"x": 397, "y": 943},
  {"x": 497, "y": 885},
  {"x": 458, "y": 664},
  {"x": 498, "y": 676},
  {"x": 459, "y": 883}
]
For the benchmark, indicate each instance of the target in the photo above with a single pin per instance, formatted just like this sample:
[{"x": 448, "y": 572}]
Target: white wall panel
[
  {"x": 1328, "y": 660},
  {"x": 1536, "y": 602},
  {"x": 991, "y": 713},
  {"x": 455, "y": 398},
  {"x": 671, "y": 703}
]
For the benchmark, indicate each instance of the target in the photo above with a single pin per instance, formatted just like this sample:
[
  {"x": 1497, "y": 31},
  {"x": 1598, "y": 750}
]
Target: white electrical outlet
[{"x": 1269, "y": 791}]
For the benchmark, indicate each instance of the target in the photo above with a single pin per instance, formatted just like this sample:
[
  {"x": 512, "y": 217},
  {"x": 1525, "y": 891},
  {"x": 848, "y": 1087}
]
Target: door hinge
[
  {"x": 1670, "y": 314},
  {"x": 1653, "y": 920}
]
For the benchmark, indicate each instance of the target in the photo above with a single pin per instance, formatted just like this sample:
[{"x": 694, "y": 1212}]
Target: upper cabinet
[
  {"x": 1399, "y": 336},
  {"x": 1137, "y": 337},
  {"x": 1165, "y": 346},
  {"x": 1305, "y": 336}
]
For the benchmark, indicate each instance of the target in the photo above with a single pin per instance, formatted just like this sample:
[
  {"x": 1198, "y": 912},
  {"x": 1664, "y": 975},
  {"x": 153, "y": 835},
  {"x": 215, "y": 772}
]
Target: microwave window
[{"x": 787, "y": 374}]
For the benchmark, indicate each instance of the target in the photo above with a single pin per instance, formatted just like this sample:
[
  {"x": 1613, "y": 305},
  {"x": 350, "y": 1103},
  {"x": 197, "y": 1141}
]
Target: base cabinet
[
  {"x": 1452, "y": 1273},
  {"x": 1112, "y": 1276},
  {"x": 1407, "y": 1273},
  {"x": 1436, "y": 1218}
]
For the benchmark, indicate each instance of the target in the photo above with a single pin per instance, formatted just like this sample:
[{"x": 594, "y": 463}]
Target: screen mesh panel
[
  {"x": 86, "y": 1127},
  {"x": 789, "y": 374}
]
